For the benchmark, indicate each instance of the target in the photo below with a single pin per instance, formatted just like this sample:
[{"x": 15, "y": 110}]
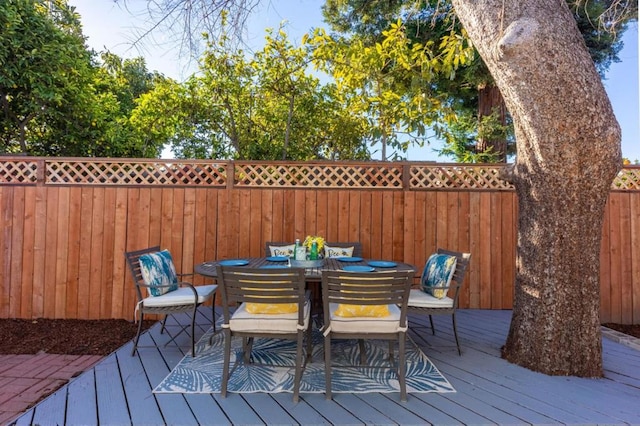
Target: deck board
[
  {"x": 488, "y": 389},
  {"x": 82, "y": 405}
]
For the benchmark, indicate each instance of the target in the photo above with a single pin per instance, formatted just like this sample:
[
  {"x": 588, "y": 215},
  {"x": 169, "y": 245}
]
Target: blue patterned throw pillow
[
  {"x": 157, "y": 269},
  {"x": 437, "y": 274}
]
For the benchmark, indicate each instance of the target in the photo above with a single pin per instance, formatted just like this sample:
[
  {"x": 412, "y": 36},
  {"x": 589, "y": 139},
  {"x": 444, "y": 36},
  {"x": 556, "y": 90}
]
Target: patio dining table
[{"x": 313, "y": 276}]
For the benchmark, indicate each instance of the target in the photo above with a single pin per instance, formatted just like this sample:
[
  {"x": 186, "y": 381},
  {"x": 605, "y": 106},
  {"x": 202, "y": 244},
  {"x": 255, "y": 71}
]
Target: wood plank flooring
[{"x": 489, "y": 390}]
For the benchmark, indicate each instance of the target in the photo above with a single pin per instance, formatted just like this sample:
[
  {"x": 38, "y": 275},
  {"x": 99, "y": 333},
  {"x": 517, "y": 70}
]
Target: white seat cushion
[
  {"x": 181, "y": 296},
  {"x": 388, "y": 324},
  {"x": 420, "y": 299},
  {"x": 241, "y": 320}
]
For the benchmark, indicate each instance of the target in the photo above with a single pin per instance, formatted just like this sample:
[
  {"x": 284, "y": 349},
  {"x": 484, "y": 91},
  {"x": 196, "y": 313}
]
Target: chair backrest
[
  {"x": 355, "y": 288},
  {"x": 462, "y": 264},
  {"x": 357, "y": 247},
  {"x": 269, "y": 244},
  {"x": 261, "y": 285},
  {"x": 133, "y": 260}
]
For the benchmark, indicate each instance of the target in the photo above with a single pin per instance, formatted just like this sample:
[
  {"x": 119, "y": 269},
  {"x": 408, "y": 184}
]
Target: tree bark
[
  {"x": 568, "y": 152},
  {"x": 490, "y": 100}
]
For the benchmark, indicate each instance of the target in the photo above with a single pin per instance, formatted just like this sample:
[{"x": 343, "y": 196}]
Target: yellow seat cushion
[
  {"x": 348, "y": 311},
  {"x": 271, "y": 308}
]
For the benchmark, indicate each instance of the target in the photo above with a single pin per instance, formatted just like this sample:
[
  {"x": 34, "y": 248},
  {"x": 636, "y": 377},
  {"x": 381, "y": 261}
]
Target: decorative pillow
[
  {"x": 377, "y": 311},
  {"x": 338, "y": 251},
  {"x": 282, "y": 250},
  {"x": 437, "y": 274},
  {"x": 157, "y": 270}
]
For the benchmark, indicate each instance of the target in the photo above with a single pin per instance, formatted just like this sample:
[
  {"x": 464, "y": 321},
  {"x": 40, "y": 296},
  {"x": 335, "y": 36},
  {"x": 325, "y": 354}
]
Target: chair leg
[
  {"x": 455, "y": 333},
  {"x": 433, "y": 329},
  {"x": 391, "y": 351},
  {"x": 309, "y": 343},
  {"x": 298, "y": 373},
  {"x": 247, "y": 346},
  {"x": 327, "y": 366},
  {"x": 193, "y": 331},
  {"x": 402, "y": 367},
  {"x": 213, "y": 312},
  {"x": 227, "y": 361},
  {"x": 137, "y": 338},
  {"x": 363, "y": 352},
  {"x": 164, "y": 324}
]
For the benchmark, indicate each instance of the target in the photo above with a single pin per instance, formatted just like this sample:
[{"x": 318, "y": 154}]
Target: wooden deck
[{"x": 489, "y": 390}]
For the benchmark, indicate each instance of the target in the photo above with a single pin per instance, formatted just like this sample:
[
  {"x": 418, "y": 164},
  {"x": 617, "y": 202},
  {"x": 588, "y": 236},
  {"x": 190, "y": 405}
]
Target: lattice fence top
[
  {"x": 352, "y": 175},
  {"x": 139, "y": 173},
  {"x": 18, "y": 172},
  {"x": 457, "y": 177},
  {"x": 627, "y": 179},
  {"x": 333, "y": 175}
]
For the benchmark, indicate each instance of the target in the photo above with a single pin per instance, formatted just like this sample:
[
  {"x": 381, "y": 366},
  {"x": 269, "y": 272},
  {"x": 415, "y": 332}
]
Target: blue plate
[
  {"x": 273, "y": 266},
  {"x": 277, "y": 258},
  {"x": 234, "y": 262},
  {"x": 358, "y": 268},
  {"x": 382, "y": 264},
  {"x": 349, "y": 259}
]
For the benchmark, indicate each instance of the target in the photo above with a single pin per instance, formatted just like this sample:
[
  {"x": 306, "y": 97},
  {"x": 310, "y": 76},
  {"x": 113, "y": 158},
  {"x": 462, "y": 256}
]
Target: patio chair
[
  {"x": 159, "y": 291},
  {"x": 443, "y": 299},
  {"x": 285, "y": 316},
  {"x": 366, "y": 306},
  {"x": 356, "y": 252}
]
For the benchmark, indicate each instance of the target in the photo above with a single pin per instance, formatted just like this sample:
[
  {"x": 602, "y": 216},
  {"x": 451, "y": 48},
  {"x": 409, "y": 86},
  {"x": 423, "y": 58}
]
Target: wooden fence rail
[{"x": 65, "y": 224}]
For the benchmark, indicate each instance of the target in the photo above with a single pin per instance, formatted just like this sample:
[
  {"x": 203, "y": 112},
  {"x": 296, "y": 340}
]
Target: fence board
[
  {"x": 7, "y": 198},
  {"x": 624, "y": 231},
  {"x": 634, "y": 254},
  {"x": 28, "y": 257},
  {"x": 108, "y": 256},
  {"x": 63, "y": 244},
  {"x": 73, "y": 248},
  {"x": 95, "y": 257},
  {"x": 474, "y": 249},
  {"x": 51, "y": 234},
  {"x": 496, "y": 247},
  {"x": 615, "y": 258},
  {"x": 16, "y": 246},
  {"x": 61, "y": 256},
  {"x": 605, "y": 270},
  {"x": 485, "y": 251},
  {"x": 120, "y": 308}
]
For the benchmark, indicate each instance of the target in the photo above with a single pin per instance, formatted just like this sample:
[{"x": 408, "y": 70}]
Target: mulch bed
[
  {"x": 100, "y": 337},
  {"x": 66, "y": 336},
  {"x": 632, "y": 330}
]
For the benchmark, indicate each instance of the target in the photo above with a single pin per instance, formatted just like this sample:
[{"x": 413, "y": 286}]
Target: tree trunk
[
  {"x": 490, "y": 100},
  {"x": 568, "y": 152}
]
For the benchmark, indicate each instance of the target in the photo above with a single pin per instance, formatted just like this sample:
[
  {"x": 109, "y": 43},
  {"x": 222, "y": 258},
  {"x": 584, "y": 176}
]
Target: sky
[{"x": 109, "y": 26}]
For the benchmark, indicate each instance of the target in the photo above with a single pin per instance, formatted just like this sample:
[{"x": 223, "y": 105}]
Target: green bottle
[{"x": 313, "y": 255}]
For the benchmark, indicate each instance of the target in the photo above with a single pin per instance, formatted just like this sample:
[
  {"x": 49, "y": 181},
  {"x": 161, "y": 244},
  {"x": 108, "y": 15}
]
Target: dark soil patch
[
  {"x": 630, "y": 329},
  {"x": 66, "y": 336},
  {"x": 101, "y": 337}
]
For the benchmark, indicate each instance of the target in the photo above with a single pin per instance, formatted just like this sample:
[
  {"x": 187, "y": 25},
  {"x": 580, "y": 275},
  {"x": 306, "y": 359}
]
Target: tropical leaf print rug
[{"x": 274, "y": 371}]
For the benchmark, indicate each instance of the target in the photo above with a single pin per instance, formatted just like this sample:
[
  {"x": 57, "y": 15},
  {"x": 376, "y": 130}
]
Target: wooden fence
[{"x": 66, "y": 223}]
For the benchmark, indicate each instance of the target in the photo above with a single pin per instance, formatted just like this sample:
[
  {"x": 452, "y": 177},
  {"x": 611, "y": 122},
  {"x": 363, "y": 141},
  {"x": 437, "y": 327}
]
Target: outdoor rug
[{"x": 202, "y": 373}]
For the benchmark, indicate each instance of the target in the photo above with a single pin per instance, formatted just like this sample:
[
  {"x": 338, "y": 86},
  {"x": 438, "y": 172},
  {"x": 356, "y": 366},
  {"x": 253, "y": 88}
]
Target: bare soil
[
  {"x": 99, "y": 337},
  {"x": 631, "y": 330},
  {"x": 66, "y": 336}
]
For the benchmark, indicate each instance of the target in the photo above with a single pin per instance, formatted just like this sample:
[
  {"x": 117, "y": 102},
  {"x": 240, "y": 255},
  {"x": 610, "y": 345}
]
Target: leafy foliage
[
  {"x": 463, "y": 122},
  {"x": 56, "y": 100},
  {"x": 267, "y": 107}
]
